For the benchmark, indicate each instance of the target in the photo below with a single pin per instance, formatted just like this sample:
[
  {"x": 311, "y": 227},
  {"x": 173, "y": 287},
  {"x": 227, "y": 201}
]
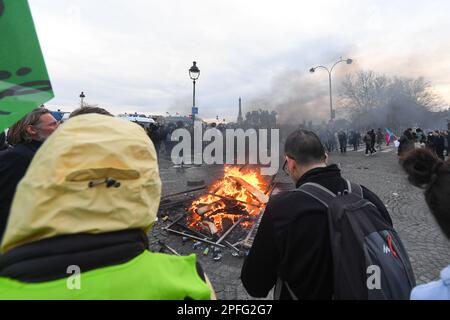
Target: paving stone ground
[{"x": 428, "y": 248}]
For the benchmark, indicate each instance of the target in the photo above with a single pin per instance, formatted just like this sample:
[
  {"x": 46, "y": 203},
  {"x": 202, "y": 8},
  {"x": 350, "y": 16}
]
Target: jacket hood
[{"x": 54, "y": 198}]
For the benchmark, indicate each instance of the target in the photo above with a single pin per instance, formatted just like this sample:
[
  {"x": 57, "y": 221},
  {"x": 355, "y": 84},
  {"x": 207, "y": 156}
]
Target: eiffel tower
[{"x": 240, "y": 119}]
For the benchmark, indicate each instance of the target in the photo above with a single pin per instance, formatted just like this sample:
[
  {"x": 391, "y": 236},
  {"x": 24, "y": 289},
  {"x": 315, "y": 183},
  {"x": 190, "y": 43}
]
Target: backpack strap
[
  {"x": 318, "y": 192},
  {"x": 325, "y": 196},
  {"x": 279, "y": 286}
]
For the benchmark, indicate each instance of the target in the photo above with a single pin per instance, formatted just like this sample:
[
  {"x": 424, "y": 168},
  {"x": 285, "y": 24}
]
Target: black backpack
[{"x": 369, "y": 260}]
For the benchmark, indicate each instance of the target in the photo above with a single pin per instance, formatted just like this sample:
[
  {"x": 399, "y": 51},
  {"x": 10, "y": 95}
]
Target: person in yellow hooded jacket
[{"x": 80, "y": 217}]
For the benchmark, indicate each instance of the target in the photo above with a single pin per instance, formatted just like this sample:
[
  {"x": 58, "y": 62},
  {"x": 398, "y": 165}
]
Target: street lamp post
[
  {"x": 330, "y": 71},
  {"x": 194, "y": 74},
  {"x": 82, "y": 96}
]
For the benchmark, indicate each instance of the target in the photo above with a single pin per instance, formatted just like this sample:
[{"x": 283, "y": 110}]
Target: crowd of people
[
  {"x": 85, "y": 194},
  {"x": 161, "y": 134},
  {"x": 438, "y": 141},
  {"x": 341, "y": 139}
]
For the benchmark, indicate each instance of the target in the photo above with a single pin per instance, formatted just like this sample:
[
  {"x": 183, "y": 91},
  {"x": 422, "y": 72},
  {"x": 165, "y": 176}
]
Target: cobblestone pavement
[{"x": 428, "y": 248}]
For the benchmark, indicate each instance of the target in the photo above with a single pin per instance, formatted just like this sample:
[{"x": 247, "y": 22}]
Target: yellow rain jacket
[{"x": 54, "y": 199}]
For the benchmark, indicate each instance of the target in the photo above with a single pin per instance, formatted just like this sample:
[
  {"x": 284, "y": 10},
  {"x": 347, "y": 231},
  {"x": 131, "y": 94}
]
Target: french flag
[{"x": 389, "y": 135}]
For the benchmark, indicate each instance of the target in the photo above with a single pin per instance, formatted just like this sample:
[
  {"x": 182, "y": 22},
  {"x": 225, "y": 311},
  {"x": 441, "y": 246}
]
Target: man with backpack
[{"x": 311, "y": 252}]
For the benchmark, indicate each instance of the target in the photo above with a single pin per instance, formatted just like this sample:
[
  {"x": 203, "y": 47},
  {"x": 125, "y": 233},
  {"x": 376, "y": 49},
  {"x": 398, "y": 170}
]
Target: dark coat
[
  {"x": 380, "y": 137},
  {"x": 342, "y": 136},
  {"x": 368, "y": 139},
  {"x": 373, "y": 138},
  {"x": 3, "y": 144},
  {"x": 293, "y": 241},
  {"x": 14, "y": 163},
  {"x": 406, "y": 144},
  {"x": 439, "y": 142}
]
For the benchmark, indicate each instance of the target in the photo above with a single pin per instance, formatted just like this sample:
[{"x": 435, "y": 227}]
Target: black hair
[
  {"x": 408, "y": 134},
  {"x": 87, "y": 110},
  {"x": 427, "y": 171},
  {"x": 304, "y": 147}
]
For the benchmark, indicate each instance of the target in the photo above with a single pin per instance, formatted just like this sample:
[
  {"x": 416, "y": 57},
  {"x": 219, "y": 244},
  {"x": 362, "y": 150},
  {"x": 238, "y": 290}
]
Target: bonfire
[{"x": 240, "y": 195}]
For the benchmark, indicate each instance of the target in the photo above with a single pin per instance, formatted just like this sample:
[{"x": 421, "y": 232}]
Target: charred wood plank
[
  {"x": 258, "y": 194},
  {"x": 184, "y": 234},
  {"x": 257, "y": 205},
  {"x": 183, "y": 192},
  {"x": 229, "y": 230}
]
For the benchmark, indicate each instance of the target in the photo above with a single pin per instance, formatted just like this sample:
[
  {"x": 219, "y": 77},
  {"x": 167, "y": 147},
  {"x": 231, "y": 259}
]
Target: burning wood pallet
[{"x": 227, "y": 215}]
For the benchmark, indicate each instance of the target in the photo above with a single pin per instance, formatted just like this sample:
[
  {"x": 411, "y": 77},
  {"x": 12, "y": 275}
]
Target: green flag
[{"x": 24, "y": 82}]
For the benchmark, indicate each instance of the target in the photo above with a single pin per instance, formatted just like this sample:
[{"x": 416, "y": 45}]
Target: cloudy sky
[{"x": 134, "y": 55}]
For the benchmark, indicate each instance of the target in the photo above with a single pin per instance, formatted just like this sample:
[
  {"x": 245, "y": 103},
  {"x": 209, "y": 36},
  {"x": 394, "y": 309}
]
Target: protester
[
  {"x": 168, "y": 143},
  {"x": 330, "y": 141},
  {"x": 439, "y": 143},
  {"x": 368, "y": 141},
  {"x": 358, "y": 138},
  {"x": 88, "y": 110},
  {"x": 352, "y": 140},
  {"x": 448, "y": 142},
  {"x": 429, "y": 144},
  {"x": 379, "y": 139},
  {"x": 156, "y": 134},
  {"x": 26, "y": 136},
  {"x": 342, "y": 137},
  {"x": 86, "y": 202},
  {"x": 427, "y": 171},
  {"x": 3, "y": 143},
  {"x": 323, "y": 139},
  {"x": 373, "y": 139},
  {"x": 390, "y": 136},
  {"x": 421, "y": 138},
  {"x": 293, "y": 239},
  {"x": 406, "y": 143},
  {"x": 387, "y": 138}
]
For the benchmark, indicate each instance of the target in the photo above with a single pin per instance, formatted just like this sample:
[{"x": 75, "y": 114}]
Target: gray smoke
[
  {"x": 374, "y": 100},
  {"x": 378, "y": 101},
  {"x": 300, "y": 96}
]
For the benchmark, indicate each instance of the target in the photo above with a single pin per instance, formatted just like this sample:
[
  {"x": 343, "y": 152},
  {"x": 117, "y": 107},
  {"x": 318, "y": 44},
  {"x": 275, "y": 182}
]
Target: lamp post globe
[
  {"x": 194, "y": 71},
  {"x": 194, "y": 74}
]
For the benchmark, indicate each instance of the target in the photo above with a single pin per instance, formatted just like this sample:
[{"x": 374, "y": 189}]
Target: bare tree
[
  {"x": 376, "y": 100},
  {"x": 419, "y": 91},
  {"x": 364, "y": 90}
]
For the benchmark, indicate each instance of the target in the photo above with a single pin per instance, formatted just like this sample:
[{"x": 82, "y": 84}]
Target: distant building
[{"x": 187, "y": 121}]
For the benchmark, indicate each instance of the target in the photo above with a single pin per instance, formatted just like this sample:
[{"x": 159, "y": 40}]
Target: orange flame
[{"x": 229, "y": 200}]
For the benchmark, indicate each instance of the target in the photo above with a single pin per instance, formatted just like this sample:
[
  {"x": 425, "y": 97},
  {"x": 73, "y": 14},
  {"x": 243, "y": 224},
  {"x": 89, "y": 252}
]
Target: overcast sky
[{"x": 134, "y": 55}]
